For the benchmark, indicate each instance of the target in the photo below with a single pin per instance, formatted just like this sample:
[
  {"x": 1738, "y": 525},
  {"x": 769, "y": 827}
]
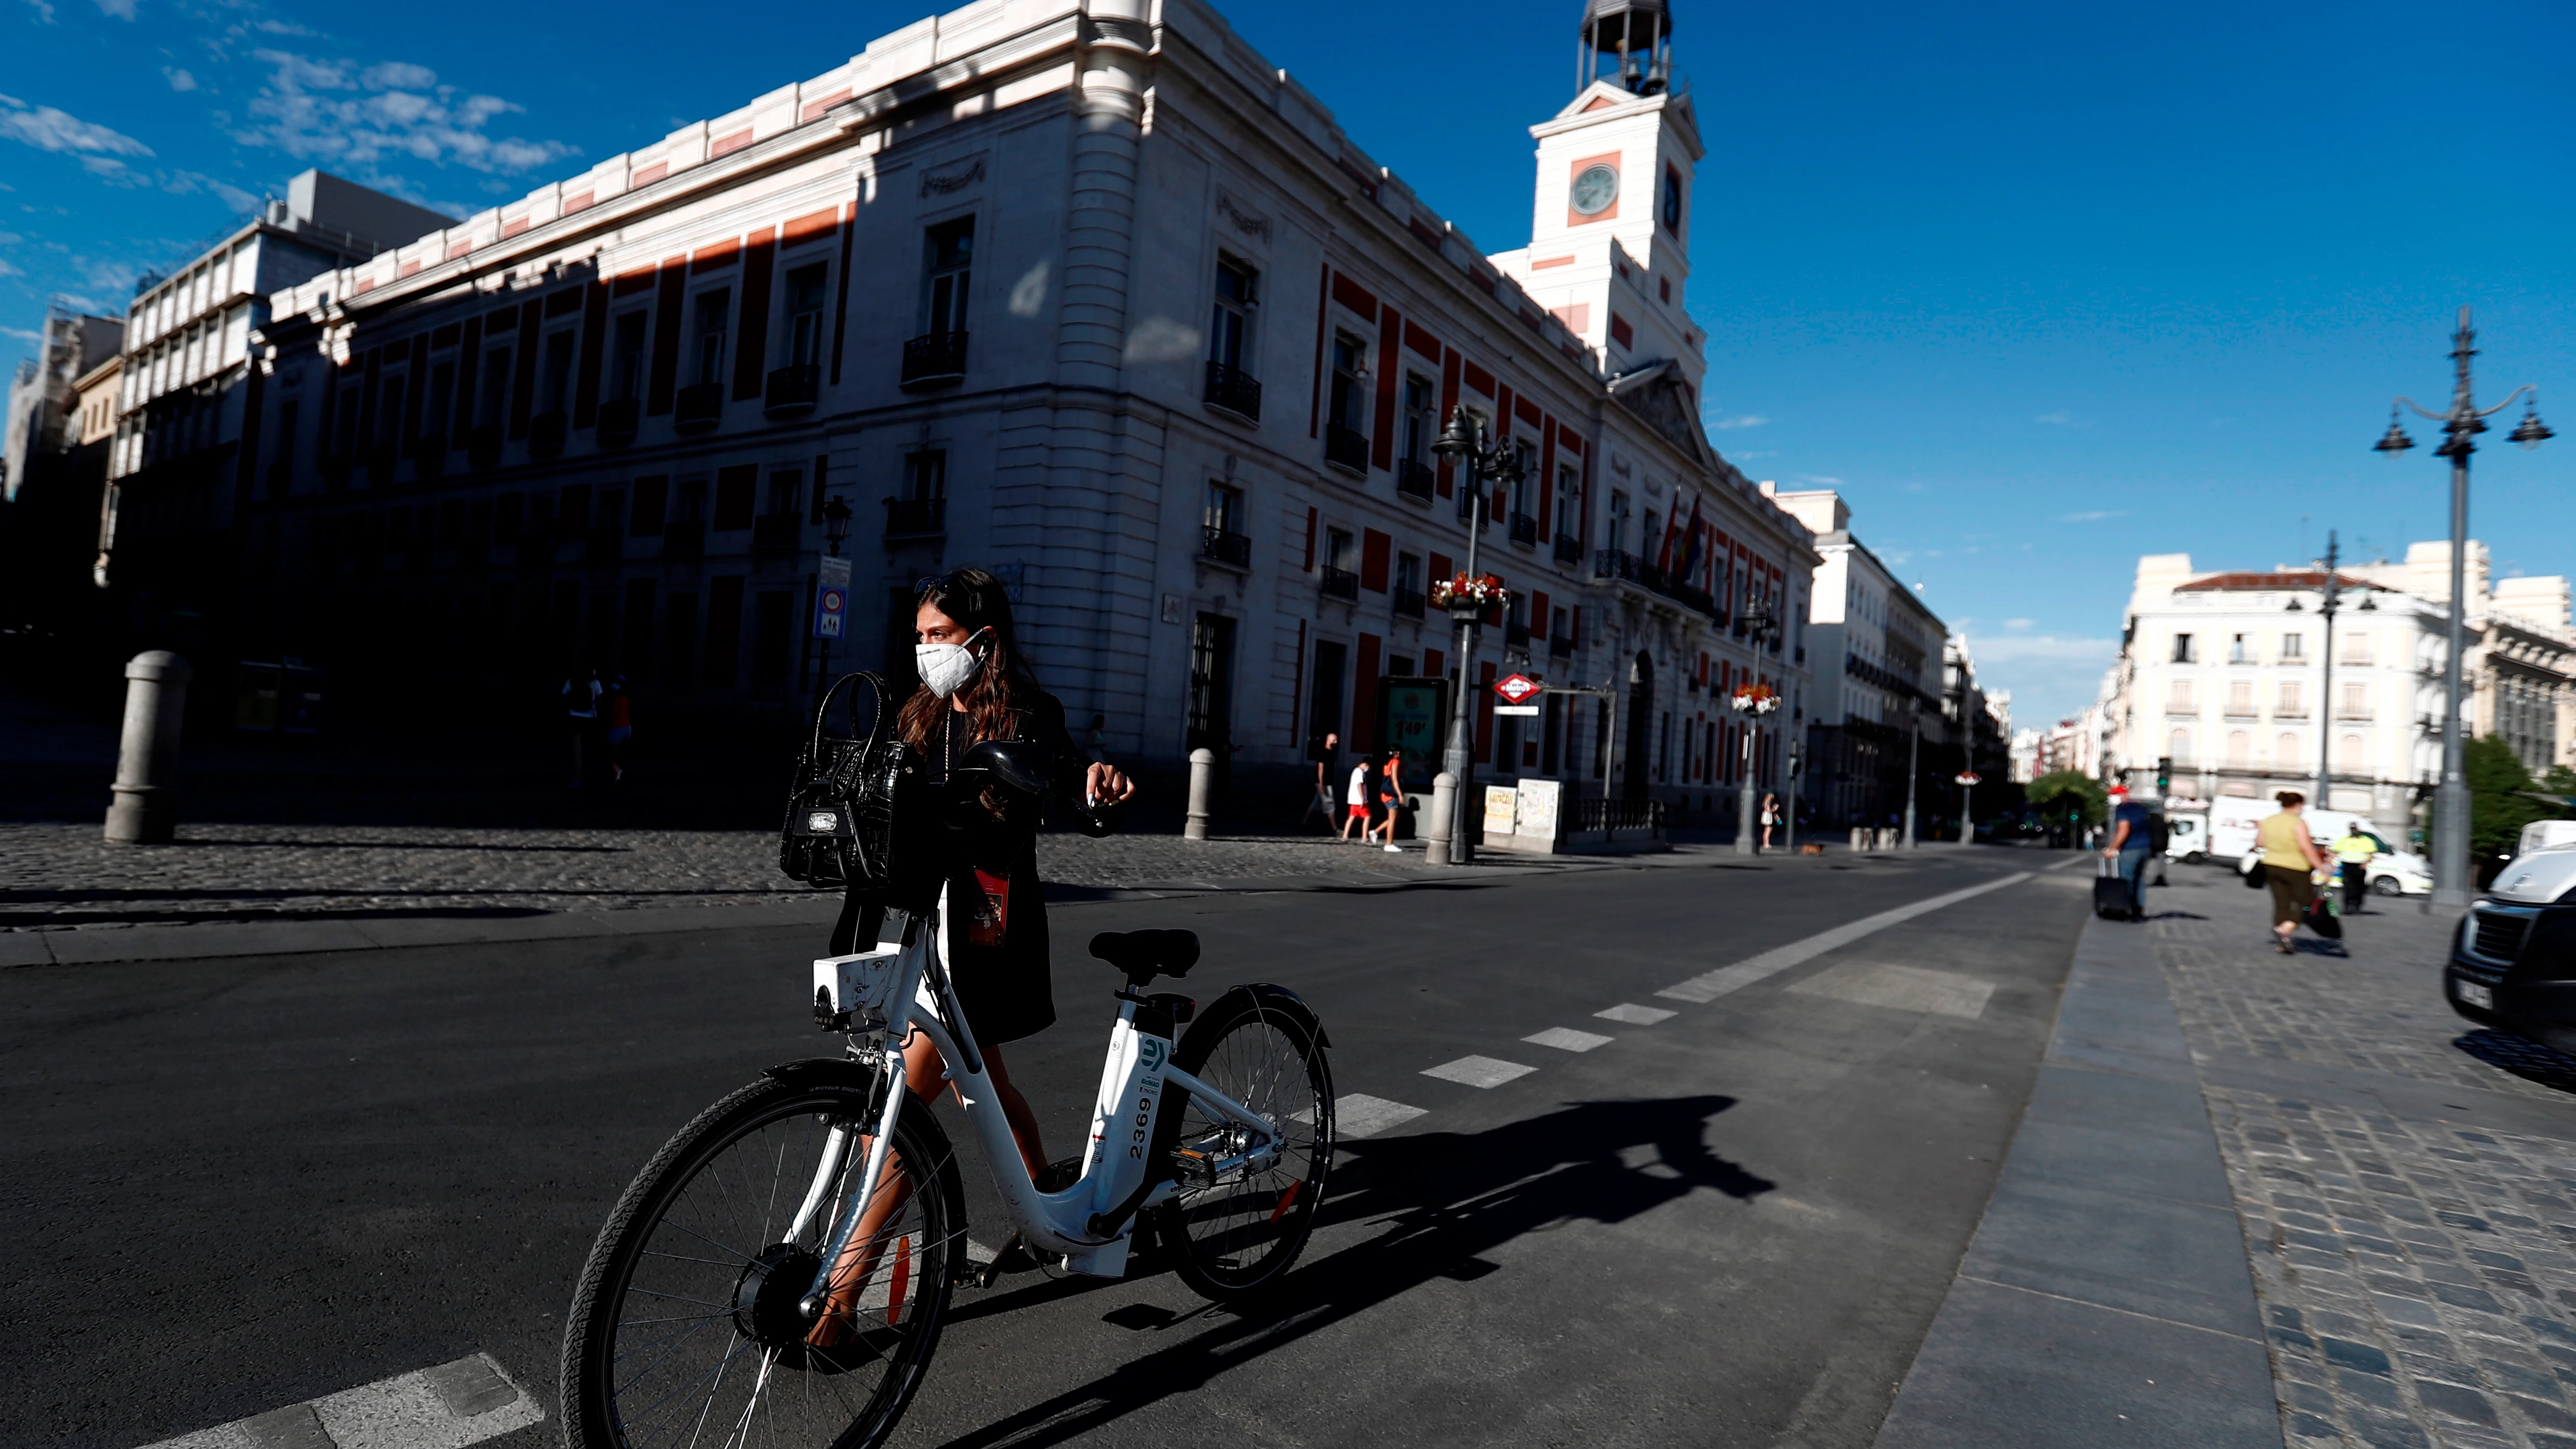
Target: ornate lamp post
[
  {"x": 2462, "y": 423},
  {"x": 2325, "y": 682},
  {"x": 1754, "y": 702},
  {"x": 1481, "y": 460}
]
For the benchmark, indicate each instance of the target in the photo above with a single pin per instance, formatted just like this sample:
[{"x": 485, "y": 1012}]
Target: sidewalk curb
[{"x": 2107, "y": 1298}]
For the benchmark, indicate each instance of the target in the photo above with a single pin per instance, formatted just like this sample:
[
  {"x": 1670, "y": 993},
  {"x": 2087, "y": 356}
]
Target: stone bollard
[
  {"x": 1202, "y": 780},
  {"x": 1444, "y": 813},
  {"x": 1860, "y": 839},
  {"x": 146, "y": 806}
]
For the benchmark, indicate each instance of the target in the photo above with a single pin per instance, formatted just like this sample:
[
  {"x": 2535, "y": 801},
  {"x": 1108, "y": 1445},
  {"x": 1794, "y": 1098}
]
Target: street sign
[
  {"x": 1516, "y": 688},
  {"x": 1526, "y": 710},
  {"x": 831, "y": 597},
  {"x": 1970, "y": 778}
]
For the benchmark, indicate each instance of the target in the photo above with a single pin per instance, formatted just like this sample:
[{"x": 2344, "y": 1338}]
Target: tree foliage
[{"x": 2050, "y": 796}]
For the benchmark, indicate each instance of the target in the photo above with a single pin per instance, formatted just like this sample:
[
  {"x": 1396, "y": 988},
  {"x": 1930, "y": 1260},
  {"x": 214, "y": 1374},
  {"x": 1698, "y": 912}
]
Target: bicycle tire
[
  {"x": 1236, "y": 1239},
  {"x": 798, "y": 1395}
]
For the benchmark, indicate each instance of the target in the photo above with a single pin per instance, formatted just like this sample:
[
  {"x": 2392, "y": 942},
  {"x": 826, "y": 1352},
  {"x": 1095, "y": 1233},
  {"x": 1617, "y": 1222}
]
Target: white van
[
  {"x": 2543, "y": 835},
  {"x": 2187, "y": 836}
]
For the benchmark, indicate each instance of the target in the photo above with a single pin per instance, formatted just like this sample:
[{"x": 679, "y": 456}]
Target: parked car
[{"x": 2513, "y": 959}]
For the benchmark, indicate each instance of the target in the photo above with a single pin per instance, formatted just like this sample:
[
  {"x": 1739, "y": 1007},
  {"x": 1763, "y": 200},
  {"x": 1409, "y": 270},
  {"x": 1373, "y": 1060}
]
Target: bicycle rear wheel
[
  {"x": 684, "y": 1329},
  {"x": 1235, "y": 1234}
]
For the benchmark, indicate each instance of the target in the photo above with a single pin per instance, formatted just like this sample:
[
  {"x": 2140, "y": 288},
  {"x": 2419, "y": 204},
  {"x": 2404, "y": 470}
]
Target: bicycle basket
[{"x": 843, "y": 812}]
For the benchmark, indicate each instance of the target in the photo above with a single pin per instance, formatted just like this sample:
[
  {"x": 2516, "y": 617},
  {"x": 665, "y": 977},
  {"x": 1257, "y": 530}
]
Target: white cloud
[
  {"x": 44, "y": 11},
  {"x": 22, "y": 334},
  {"x": 1995, "y": 650},
  {"x": 9, "y": 268},
  {"x": 117, "y": 9},
  {"x": 1748, "y": 420},
  {"x": 48, "y": 129},
  {"x": 178, "y": 78},
  {"x": 2095, "y": 516},
  {"x": 283, "y": 27},
  {"x": 2060, "y": 418},
  {"x": 2017, "y": 623},
  {"x": 1819, "y": 480},
  {"x": 373, "y": 117}
]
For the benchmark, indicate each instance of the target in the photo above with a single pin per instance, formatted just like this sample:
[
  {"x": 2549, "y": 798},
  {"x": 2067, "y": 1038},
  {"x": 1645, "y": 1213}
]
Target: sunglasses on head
[{"x": 929, "y": 583}]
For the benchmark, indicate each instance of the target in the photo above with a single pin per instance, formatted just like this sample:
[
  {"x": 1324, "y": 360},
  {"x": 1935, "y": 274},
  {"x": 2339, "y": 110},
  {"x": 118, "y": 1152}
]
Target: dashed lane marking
[
  {"x": 1361, "y": 1115},
  {"x": 1635, "y": 1015},
  {"x": 447, "y": 1406},
  {"x": 1478, "y": 1071},
  {"x": 1567, "y": 1039},
  {"x": 1709, "y": 986}
]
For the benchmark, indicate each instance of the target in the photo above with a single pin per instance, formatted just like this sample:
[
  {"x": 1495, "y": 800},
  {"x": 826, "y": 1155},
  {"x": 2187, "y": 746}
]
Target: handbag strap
[{"x": 823, "y": 709}]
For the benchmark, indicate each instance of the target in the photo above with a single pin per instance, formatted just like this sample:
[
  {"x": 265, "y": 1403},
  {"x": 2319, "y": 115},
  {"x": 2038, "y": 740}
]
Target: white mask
[{"x": 945, "y": 668}]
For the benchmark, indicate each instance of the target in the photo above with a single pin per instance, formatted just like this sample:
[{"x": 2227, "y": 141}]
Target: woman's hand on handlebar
[{"x": 1105, "y": 785}]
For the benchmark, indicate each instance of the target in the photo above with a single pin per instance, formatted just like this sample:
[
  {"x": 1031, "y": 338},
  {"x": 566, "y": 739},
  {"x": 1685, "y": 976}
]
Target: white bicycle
[{"x": 780, "y": 1271}]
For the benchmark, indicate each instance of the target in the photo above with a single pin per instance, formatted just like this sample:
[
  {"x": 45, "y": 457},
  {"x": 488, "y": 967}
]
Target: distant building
[
  {"x": 55, "y": 461},
  {"x": 2028, "y": 747}
]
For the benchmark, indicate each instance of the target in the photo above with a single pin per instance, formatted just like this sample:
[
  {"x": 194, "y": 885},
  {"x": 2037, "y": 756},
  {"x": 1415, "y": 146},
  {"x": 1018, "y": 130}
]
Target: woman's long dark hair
[{"x": 1000, "y": 690}]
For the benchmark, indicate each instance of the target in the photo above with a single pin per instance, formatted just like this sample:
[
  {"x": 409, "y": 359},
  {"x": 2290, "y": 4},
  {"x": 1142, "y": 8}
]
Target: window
[
  {"x": 2182, "y": 650},
  {"x": 925, "y": 474},
  {"x": 1230, "y": 330},
  {"x": 786, "y": 490},
  {"x": 1618, "y": 522},
  {"x": 1337, "y": 549},
  {"x": 804, "y": 315},
  {"x": 2356, "y": 701},
  {"x": 2178, "y": 747},
  {"x": 948, "y": 261},
  {"x": 1525, "y": 487},
  {"x": 1672, "y": 201},
  {"x": 2240, "y": 649},
  {"x": 555, "y": 381},
  {"x": 714, "y": 310},
  {"x": 1421, "y": 420},
  {"x": 627, "y": 377},
  {"x": 1569, "y": 483},
  {"x": 2349, "y": 754},
  {"x": 442, "y": 399},
  {"x": 2294, "y": 646},
  {"x": 2286, "y": 752},
  {"x": 2178, "y": 697},
  {"x": 1349, "y": 368},
  {"x": 2240, "y": 696},
  {"x": 2293, "y": 702},
  {"x": 2240, "y": 749},
  {"x": 1224, "y": 512},
  {"x": 1408, "y": 577},
  {"x": 495, "y": 407},
  {"x": 2356, "y": 649}
]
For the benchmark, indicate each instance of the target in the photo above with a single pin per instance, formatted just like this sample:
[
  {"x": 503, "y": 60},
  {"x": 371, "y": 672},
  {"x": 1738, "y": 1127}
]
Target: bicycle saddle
[{"x": 1144, "y": 955}]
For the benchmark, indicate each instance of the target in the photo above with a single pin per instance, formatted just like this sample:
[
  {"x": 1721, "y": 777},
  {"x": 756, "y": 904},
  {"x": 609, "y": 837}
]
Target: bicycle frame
[{"x": 1090, "y": 1223}]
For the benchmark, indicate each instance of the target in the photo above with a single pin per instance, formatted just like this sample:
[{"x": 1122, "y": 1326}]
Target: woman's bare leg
[{"x": 924, "y": 1072}]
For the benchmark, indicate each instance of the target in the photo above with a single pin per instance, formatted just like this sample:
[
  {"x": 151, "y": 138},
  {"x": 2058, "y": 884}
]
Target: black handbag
[
  {"x": 2320, "y": 918},
  {"x": 854, "y": 806}
]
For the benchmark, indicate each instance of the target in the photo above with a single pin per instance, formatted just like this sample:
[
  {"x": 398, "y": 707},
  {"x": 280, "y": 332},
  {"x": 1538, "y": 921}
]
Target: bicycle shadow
[{"x": 1443, "y": 1199}]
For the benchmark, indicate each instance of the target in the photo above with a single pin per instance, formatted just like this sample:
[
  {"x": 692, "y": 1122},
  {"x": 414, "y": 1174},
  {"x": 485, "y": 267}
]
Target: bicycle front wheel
[
  {"x": 685, "y": 1329},
  {"x": 1236, "y": 1232}
]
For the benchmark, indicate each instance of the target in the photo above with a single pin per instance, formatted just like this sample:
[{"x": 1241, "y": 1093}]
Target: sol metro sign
[{"x": 1516, "y": 688}]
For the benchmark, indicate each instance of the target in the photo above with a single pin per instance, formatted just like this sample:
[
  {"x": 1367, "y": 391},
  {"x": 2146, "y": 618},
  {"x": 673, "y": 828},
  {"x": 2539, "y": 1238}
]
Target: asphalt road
[{"x": 228, "y": 1186}]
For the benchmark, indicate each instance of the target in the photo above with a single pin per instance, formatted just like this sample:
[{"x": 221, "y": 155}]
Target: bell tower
[{"x": 1610, "y": 224}]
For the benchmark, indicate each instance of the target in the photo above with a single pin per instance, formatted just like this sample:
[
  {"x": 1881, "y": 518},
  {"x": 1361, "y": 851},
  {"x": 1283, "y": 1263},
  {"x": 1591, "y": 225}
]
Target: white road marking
[
  {"x": 1900, "y": 988},
  {"x": 1478, "y": 1071},
  {"x": 448, "y": 1406},
  {"x": 1567, "y": 1039},
  {"x": 1711, "y": 985},
  {"x": 1360, "y": 1115},
  {"x": 1636, "y": 1015}
]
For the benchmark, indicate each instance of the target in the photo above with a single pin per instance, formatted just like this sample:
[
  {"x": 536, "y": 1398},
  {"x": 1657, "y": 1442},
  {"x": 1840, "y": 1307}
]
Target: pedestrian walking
[
  {"x": 2290, "y": 858},
  {"x": 617, "y": 712},
  {"x": 2132, "y": 841},
  {"x": 581, "y": 692},
  {"x": 2353, "y": 852},
  {"x": 1322, "y": 751},
  {"x": 1770, "y": 817},
  {"x": 1357, "y": 795},
  {"x": 1390, "y": 798}
]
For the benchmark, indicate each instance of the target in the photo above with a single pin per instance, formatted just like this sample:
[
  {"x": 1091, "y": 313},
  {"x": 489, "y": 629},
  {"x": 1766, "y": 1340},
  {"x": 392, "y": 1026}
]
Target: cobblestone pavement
[
  {"x": 63, "y": 875},
  {"x": 2417, "y": 1273}
]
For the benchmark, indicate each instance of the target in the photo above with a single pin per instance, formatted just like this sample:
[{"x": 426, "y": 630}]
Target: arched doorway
[{"x": 1641, "y": 710}]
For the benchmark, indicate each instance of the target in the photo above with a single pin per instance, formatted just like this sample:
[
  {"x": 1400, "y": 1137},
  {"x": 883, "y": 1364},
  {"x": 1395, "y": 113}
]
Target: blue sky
[{"x": 2041, "y": 287}]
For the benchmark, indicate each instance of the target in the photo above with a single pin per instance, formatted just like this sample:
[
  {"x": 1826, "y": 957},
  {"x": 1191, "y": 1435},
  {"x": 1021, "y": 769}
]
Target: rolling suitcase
[{"x": 2112, "y": 898}]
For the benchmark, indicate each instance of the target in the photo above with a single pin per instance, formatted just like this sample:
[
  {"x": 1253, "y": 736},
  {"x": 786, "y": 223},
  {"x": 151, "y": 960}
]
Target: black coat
[{"x": 1006, "y": 988}]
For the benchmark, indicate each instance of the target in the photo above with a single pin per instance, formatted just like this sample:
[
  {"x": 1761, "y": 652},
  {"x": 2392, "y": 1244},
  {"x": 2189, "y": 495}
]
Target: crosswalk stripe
[
  {"x": 1711, "y": 985},
  {"x": 446, "y": 1406},
  {"x": 1635, "y": 1015},
  {"x": 1478, "y": 1071},
  {"x": 1567, "y": 1039},
  {"x": 1361, "y": 1115}
]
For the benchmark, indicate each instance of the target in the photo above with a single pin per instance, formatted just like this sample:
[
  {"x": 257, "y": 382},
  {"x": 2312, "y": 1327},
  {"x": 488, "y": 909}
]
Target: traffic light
[{"x": 2164, "y": 774}]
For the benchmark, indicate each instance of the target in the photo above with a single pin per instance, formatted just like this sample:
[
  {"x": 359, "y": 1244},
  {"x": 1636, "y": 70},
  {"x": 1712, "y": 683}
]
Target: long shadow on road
[{"x": 1444, "y": 1199}]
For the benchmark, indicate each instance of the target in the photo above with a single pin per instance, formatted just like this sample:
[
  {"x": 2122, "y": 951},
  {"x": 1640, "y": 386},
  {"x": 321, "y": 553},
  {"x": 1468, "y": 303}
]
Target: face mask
[{"x": 945, "y": 668}]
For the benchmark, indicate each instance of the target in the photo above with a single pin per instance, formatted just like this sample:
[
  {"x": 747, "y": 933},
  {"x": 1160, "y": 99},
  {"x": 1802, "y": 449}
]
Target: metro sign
[
  {"x": 1516, "y": 688},
  {"x": 1970, "y": 778}
]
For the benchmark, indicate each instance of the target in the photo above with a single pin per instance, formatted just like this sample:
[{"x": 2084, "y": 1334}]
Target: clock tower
[{"x": 1610, "y": 227}]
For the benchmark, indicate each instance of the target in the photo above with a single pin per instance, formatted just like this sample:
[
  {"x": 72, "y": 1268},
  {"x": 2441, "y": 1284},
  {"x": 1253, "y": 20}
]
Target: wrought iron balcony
[
  {"x": 1409, "y": 603},
  {"x": 1346, "y": 447},
  {"x": 699, "y": 406},
  {"x": 1340, "y": 583},
  {"x": 617, "y": 419},
  {"x": 935, "y": 359},
  {"x": 684, "y": 538},
  {"x": 1524, "y": 529},
  {"x": 1569, "y": 546},
  {"x": 1224, "y": 546},
  {"x": 483, "y": 444},
  {"x": 792, "y": 389},
  {"x": 916, "y": 517},
  {"x": 1231, "y": 389},
  {"x": 1613, "y": 563},
  {"x": 1415, "y": 481},
  {"x": 777, "y": 530},
  {"x": 546, "y": 433}
]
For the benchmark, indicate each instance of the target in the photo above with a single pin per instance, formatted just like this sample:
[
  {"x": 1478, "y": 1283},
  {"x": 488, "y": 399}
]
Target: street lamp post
[
  {"x": 1463, "y": 441},
  {"x": 1913, "y": 766},
  {"x": 2462, "y": 423},
  {"x": 1758, "y": 625},
  {"x": 2325, "y": 679}
]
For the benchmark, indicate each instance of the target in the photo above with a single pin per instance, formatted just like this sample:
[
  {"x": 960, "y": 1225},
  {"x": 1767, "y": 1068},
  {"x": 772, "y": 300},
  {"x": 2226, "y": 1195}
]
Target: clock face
[{"x": 1595, "y": 189}]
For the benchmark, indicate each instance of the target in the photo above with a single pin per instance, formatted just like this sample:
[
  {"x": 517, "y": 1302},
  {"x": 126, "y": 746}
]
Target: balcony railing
[
  {"x": 2294, "y": 712},
  {"x": 546, "y": 433},
  {"x": 684, "y": 538},
  {"x": 699, "y": 406},
  {"x": 916, "y": 517},
  {"x": 2357, "y": 714},
  {"x": 1569, "y": 547},
  {"x": 1225, "y": 546},
  {"x": 777, "y": 530},
  {"x": 1346, "y": 447},
  {"x": 1613, "y": 563},
  {"x": 792, "y": 389},
  {"x": 483, "y": 444},
  {"x": 1233, "y": 390},
  {"x": 1340, "y": 583},
  {"x": 1524, "y": 528},
  {"x": 1409, "y": 603},
  {"x": 935, "y": 359},
  {"x": 1414, "y": 481},
  {"x": 1560, "y": 645},
  {"x": 617, "y": 419}
]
